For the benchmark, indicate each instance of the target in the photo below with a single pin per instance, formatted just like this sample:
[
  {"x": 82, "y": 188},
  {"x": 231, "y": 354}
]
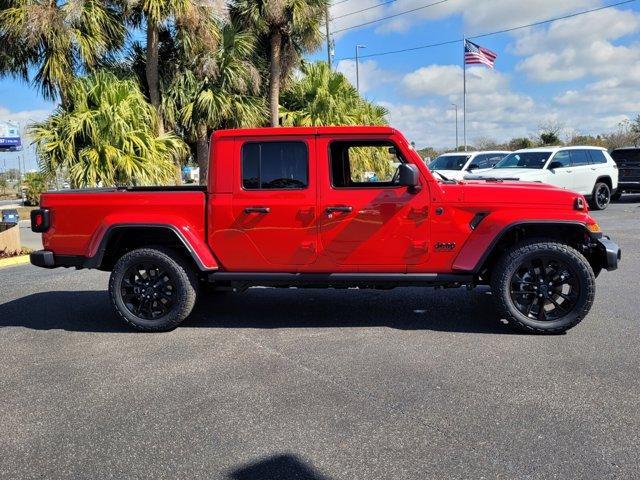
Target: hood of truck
[{"x": 514, "y": 192}]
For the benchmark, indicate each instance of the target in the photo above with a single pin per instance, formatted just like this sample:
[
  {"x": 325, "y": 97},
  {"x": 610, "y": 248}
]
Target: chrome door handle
[
  {"x": 338, "y": 208},
  {"x": 257, "y": 210},
  {"x": 568, "y": 171}
]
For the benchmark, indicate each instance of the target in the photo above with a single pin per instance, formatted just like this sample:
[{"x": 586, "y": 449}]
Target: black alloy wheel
[
  {"x": 153, "y": 289},
  {"x": 544, "y": 288},
  {"x": 148, "y": 291},
  {"x": 601, "y": 196}
]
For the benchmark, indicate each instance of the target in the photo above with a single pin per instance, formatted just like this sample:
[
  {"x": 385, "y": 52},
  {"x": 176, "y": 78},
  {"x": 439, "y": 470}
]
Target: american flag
[{"x": 475, "y": 54}]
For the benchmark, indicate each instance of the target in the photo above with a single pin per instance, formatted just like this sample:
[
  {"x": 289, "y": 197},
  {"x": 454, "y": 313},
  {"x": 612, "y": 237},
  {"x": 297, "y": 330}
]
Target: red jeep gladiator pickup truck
[{"x": 329, "y": 207}]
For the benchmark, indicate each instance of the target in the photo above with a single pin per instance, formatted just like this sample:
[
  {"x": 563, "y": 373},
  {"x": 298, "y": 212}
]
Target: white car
[
  {"x": 456, "y": 165},
  {"x": 586, "y": 170}
]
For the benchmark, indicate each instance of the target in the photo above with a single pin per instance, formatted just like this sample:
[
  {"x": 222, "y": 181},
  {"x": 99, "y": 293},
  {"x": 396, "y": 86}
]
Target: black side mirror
[
  {"x": 409, "y": 176},
  {"x": 473, "y": 166},
  {"x": 554, "y": 165}
]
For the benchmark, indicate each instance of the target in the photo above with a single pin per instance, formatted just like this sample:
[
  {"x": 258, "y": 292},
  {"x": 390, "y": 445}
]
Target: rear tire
[
  {"x": 153, "y": 289},
  {"x": 542, "y": 286},
  {"x": 601, "y": 196}
]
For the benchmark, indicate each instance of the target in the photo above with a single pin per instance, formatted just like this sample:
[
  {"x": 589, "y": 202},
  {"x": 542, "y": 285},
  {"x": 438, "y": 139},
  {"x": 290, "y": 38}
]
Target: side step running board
[{"x": 262, "y": 278}]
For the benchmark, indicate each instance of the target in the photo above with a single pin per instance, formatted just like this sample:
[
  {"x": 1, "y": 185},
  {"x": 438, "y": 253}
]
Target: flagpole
[{"x": 464, "y": 93}]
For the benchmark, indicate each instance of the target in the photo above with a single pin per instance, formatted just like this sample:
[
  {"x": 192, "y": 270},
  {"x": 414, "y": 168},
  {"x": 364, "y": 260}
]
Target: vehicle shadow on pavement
[
  {"x": 88, "y": 311},
  {"x": 281, "y": 467},
  {"x": 455, "y": 310}
]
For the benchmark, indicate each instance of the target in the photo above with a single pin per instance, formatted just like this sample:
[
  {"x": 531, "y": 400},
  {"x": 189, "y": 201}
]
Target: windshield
[
  {"x": 524, "y": 160},
  {"x": 449, "y": 162}
]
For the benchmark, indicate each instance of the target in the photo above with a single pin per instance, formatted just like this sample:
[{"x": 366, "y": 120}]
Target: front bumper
[{"x": 609, "y": 253}]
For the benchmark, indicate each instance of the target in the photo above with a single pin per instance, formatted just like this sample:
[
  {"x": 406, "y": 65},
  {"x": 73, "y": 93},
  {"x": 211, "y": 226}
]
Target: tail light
[
  {"x": 580, "y": 204},
  {"x": 40, "y": 220}
]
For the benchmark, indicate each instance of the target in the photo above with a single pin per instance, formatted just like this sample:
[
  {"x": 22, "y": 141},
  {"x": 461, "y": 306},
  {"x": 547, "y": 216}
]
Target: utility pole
[
  {"x": 358, "y": 47},
  {"x": 328, "y": 33},
  {"x": 456, "y": 108}
]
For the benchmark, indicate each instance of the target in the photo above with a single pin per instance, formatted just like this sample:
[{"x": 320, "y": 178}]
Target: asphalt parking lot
[{"x": 316, "y": 385}]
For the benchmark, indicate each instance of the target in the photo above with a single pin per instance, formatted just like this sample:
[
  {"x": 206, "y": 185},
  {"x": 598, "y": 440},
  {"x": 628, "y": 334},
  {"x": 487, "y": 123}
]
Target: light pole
[
  {"x": 456, "y": 107},
  {"x": 326, "y": 18},
  {"x": 358, "y": 47}
]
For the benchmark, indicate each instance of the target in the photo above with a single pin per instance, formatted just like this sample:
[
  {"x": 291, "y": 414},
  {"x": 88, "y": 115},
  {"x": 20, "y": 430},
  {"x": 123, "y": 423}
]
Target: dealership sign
[{"x": 9, "y": 136}]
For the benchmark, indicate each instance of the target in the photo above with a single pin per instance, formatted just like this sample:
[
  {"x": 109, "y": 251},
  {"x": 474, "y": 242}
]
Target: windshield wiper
[{"x": 442, "y": 176}]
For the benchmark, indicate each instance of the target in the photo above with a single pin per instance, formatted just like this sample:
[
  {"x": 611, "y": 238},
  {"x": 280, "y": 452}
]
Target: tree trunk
[
  {"x": 274, "y": 77},
  {"x": 202, "y": 152},
  {"x": 152, "y": 72}
]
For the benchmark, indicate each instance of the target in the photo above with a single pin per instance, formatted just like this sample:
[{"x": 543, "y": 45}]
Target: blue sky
[{"x": 582, "y": 72}]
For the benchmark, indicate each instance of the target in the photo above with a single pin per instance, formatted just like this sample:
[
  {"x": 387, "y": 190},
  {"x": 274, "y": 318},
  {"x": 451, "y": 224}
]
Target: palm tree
[
  {"x": 190, "y": 19},
  {"x": 35, "y": 185},
  {"x": 56, "y": 40},
  {"x": 106, "y": 136},
  {"x": 218, "y": 89},
  {"x": 289, "y": 28},
  {"x": 321, "y": 96}
]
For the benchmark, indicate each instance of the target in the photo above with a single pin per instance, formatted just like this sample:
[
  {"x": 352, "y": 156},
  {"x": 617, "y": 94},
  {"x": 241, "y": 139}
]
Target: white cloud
[
  {"x": 368, "y": 71},
  {"x": 448, "y": 80},
  {"x": 577, "y": 47},
  {"x": 479, "y": 16},
  {"x": 434, "y": 79},
  {"x": 493, "y": 110},
  {"x": 24, "y": 117}
]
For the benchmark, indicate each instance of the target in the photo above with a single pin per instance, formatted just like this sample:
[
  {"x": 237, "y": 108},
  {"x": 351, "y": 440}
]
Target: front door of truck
[
  {"x": 368, "y": 222},
  {"x": 274, "y": 204}
]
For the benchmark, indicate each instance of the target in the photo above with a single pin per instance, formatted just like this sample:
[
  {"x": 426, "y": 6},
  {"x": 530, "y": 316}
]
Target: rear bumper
[
  {"x": 47, "y": 259},
  {"x": 609, "y": 253}
]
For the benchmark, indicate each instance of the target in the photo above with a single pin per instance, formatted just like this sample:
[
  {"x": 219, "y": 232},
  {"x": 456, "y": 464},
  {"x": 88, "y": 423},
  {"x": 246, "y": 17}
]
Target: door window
[
  {"x": 487, "y": 160},
  {"x": 275, "y": 165},
  {"x": 362, "y": 164},
  {"x": 562, "y": 159},
  {"x": 580, "y": 158}
]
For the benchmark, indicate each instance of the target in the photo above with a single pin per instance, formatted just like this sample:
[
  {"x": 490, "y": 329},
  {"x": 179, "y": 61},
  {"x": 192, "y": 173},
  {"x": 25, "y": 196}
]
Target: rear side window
[
  {"x": 275, "y": 165},
  {"x": 579, "y": 157},
  {"x": 597, "y": 156}
]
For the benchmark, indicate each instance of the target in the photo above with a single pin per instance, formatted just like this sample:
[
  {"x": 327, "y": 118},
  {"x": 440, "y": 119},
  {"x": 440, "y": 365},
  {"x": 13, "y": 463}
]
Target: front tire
[
  {"x": 153, "y": 289},
  {"x": 542, "y": 286},
  {"x": 601, "y": 196}
]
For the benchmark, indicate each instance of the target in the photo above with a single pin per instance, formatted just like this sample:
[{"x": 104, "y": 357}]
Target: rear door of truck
[{"x": 274, "y": 203}]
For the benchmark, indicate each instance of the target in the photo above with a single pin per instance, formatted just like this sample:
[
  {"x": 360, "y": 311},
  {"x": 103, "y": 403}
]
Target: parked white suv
[
  {"x": 586, "y": 170},
  {"x": 456, "y": 165}
]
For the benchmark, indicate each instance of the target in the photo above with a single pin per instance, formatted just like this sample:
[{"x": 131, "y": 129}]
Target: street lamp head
[{"x": 360, "y": 46}]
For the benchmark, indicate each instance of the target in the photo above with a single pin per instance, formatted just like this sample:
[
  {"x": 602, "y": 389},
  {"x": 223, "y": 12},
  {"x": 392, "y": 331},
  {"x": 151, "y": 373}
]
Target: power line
[
  {"x": 391, "y": 16},
  {"x": 364, "y": 9},
  {"x": 338, "y": 3},
  {"x": 449, "y": 42}
]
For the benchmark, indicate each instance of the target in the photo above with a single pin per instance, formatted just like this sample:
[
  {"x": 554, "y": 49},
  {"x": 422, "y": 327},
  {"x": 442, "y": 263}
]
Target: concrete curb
[{"x": 11, "y": 262}]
